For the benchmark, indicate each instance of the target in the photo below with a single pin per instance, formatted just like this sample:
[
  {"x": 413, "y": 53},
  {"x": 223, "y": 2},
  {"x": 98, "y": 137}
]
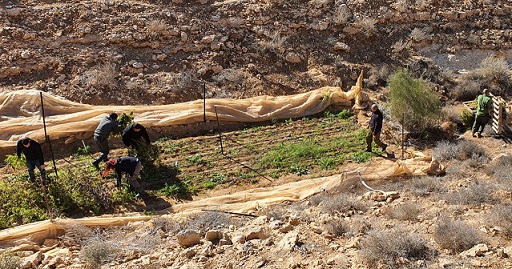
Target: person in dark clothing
[
  {"x": 133, "y": 135},
  {"x": 130, "y": 165},
  {"x": 34, "y": 156},
  {"x": 106, "y": 126},
  {"x": 375, "y": 127}
]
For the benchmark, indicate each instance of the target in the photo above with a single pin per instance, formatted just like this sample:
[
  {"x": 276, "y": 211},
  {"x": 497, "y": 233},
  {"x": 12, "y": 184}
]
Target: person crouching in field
[
  {"x": 129, "y": 165},
  {"x": 34, "y": 156}
]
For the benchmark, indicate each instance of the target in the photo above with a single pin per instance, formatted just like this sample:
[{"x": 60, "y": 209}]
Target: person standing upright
[
  {"x": 483, "y": 112},
  {"x": 34, "y": 155},
  {"x": 106, "y": 126},
  {"x": 375, "y": 126}
]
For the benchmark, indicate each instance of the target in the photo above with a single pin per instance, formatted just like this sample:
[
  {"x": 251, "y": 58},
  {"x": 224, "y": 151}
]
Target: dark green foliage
[
  {"x": 15, "y": 162},
  {"x": 125, "y": 120},
  {"x": 414, "y": 101}
]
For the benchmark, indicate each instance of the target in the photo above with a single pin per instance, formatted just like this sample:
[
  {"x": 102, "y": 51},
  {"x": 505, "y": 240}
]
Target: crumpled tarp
[
  {"x": 239, "y": 202},
  {"x": 20, "y": 112}
]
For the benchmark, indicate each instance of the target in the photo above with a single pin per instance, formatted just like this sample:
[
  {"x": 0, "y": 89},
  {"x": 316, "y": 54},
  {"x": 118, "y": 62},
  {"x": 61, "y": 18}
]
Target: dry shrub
[
  {"x": 424, "y": 186},
  {"x": 9, "y": 261},
  {"x": 276, "y": 212},
  {"x": 275, "y": 43},
  {"x": 501, "y": 216},
  {"x": 407, "y": 211},
  {"x": 156, "y": 27},
  {"x": 337, "y": 227},
  {"x": 401, "y": 46},
  {"x": 165, "y": 224},
  {"x": 341, "y": 203},
  {"x": 446, "y": 150},
  {"x": 102, "y": 76},
  {"x": 456, "y": 236},
  {"x": 98, "y": 251},
  {"x": 76, "y": 234},
  {"x": 208, "y": 221},
  {"x": 393, "y": 248},
  {"x": 418, "y": 35},
  {"x": 342, "y": 14},
  {"x": 366, "y": 25},
  {"x": 475, "y": 194},
  {"x": 466, "y": 90},
  {"x": 501, "y": 168}
]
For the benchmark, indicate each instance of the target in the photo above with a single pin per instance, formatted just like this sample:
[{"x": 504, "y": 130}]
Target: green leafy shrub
[
  {"x": 20, "y": 202},
  {"x": 467, "y": 119},
  {"x": 125, "y": 120},
  {"x": 414, "y": 101},
  {"x": 15, "y": 162}
]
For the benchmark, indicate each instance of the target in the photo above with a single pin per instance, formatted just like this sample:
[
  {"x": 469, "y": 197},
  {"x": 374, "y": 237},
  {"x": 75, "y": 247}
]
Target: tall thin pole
[
  {"x": 204, "y": 102},
  {"x": 403, "y": 123},
  {"x": 220, "y": 134},
  {"x": 45, "y": 194},
  {"x": 46, "y": 137}
]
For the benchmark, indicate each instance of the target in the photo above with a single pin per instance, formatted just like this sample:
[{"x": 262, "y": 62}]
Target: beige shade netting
[{"x": 21, "y": 116}]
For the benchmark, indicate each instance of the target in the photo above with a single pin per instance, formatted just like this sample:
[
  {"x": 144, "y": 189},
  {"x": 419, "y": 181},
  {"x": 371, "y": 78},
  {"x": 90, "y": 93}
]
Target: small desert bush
[
  {"x": 276, "y": 212},
  {"x": 102, "y": 76},
  {"x": 366, "y": 25},
  {"x": 467, "y": 119},
  {"x": 501, "y": 168},
  {"x": 474, "y": 194},
  {"x": 418, "y": 35},
  {"x": 342, "y": 14},
  {"x": 424, "y": 186},
  {"x": 401, "y": 46},
  {"x": 406, "y": 211},
  {"x": 156, "y": 27},
  {"x": 501, "y": 216},
  {"x": 342, "y": 203},
  {"x": 412, "y": 100},
  {"x": 393, "y": 248},
  {"x": 466, "y": 90},
  {"x": 9, "y": 261},
  {"x": 165, "y": 224},
  {"x": 274, "y": 43},
  {"x": 207, "y": 221},
  {"x": 446, "y": 150},
  {"x": 99, "y": 251},
  {"x": 456, "y": 236},
  {"x": 336, "y": 227}
]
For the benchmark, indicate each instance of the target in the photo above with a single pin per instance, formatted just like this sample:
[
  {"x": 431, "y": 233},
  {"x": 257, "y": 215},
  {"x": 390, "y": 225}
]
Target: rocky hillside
[{"x": 156, "y": 52}]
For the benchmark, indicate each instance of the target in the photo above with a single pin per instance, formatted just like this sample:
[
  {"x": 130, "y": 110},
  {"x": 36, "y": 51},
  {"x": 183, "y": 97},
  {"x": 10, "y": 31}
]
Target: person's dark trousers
[
  {"x": 104, "y": 149},
  {"x": 370, "y": 137},
  {"x": 479, "y": 124},
  {"x": 31, "y": 165}
]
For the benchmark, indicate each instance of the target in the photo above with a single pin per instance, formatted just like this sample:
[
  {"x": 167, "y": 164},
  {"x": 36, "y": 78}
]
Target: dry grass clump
[
  {"x": 501, "y": 216},
  {"x": 275, "y": 43},
  {"x": 165, "y": 224},
  {"x": 98, "y": 251},
  {"x": 456, "y": 236},
  {"x": 446, "y": 150},
  {"x": 393, "y": 248},
  {"x": 336, "y": 227},
  {"x": 276, "y": 212},
  {"x": 418, "y": 35},
  {"x": 424, "y": 186},
  {"x": 102, "y": 76},
  {"x": 340, "y": 203},
  {"x": 9, "y": 261},
  {"x": 342, "y": 14},
  {"x": 475, "y": 194},
  {"x": 407, "y": 211},
  {"x": 501, "y": 168},
  {"x": 156, "y": 27},
  {"x": 366, "y": 25},
  {"x": 208, "y": 221}
]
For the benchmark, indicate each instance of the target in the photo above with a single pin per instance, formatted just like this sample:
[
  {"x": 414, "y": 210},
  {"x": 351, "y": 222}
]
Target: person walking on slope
[
  {"x": 483, "y": 112},
  {"x": 133, "y": 134},
  {"x": 130, "y": 165},
  {"x": 375, "y": 127},
  {"x": 106, "y": 126},
  {"x": 34, "y": 156}
]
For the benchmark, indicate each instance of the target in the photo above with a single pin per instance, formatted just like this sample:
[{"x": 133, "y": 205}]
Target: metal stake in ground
[{"x": 45, "y": 194}]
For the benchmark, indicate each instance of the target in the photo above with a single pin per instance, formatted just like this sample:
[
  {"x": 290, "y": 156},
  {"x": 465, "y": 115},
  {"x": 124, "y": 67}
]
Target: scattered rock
[{"x": 188, "y": 238}]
